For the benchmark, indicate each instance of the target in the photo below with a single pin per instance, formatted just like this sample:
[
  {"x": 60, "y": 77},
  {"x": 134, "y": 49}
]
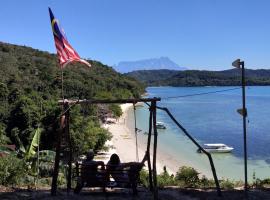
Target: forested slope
[
  {"x": 200, "y": 78},
  {"x": 30, "y": 85}
]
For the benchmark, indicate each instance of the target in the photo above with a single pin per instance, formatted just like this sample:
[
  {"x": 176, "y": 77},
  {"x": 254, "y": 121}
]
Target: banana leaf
[{"x": 34, "y": 145}]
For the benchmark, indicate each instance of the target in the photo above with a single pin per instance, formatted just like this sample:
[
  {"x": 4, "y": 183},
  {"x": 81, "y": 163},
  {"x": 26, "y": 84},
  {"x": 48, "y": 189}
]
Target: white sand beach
[{"x": 124, "y": 142}]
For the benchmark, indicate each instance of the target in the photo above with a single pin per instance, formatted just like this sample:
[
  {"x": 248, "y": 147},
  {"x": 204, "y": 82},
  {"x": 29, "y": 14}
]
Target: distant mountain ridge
[
  {"x": 230, "y": 77},
  {"x": 147, "y": 64}
]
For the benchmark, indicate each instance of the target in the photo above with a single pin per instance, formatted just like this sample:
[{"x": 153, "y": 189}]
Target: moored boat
[
  {"x": 161, "y": 125},
  {"x": 216, "y": 148}
]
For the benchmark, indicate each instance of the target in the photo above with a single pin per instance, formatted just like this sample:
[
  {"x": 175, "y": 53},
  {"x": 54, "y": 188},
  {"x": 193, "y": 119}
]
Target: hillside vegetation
[
  {"x": 200, "y": 78},
  {"x": 30, "y": 86}
]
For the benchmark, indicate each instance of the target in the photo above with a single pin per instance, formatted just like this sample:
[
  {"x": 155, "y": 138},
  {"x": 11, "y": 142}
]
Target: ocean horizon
[{"x": 212, "y": 118}]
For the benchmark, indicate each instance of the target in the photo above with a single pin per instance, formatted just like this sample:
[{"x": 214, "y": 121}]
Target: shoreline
[{"x": 124, "y": 143}]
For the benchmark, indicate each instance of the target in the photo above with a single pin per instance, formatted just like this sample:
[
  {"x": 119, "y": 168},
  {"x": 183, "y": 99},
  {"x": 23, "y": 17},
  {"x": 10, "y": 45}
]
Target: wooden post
[
  {"x": 154, "y": 107},
  {"x": 57, "y": 156},
  {"x": 67, "y": 132},
  {"x": 148, "y": 149}
]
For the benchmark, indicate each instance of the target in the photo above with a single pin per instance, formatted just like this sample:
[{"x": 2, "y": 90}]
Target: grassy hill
[
  {"x": 200, "y": 78},
  {"x": 30, "y": 85}
]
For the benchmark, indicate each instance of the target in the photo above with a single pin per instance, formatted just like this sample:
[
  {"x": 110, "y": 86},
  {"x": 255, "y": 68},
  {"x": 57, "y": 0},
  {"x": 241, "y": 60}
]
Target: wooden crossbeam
[{"x": 107, "y": 101}]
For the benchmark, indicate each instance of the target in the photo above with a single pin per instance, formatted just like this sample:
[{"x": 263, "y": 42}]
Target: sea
[{"x": 210, "y": 115}]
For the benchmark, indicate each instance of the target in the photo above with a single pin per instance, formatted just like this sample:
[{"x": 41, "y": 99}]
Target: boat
[
  {"x": 216, "y": 148},
  {"x": 160, "y": 125}
]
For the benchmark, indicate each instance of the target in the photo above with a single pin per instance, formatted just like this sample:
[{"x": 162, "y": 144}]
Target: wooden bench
[{"x": 97, "y": 176}]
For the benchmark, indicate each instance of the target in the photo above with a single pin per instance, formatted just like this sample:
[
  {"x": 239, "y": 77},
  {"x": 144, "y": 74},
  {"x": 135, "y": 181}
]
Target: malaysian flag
[{"x": 66, "y": 54}]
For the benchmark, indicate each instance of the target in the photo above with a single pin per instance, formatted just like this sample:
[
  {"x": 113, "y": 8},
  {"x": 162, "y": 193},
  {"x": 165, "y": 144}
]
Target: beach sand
[{"x": 124, "y": 142}]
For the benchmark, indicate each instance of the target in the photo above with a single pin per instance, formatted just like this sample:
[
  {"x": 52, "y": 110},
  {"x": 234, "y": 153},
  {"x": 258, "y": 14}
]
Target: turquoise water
[{"x": 212, "y": 118}]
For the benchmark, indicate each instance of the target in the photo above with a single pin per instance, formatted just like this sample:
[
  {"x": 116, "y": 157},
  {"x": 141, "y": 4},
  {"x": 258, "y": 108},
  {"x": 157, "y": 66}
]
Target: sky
[{"x": 196, "y": 34}]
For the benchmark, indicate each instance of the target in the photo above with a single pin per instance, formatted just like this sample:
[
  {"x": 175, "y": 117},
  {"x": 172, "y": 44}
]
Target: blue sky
[{"x": 197, "y": 34}]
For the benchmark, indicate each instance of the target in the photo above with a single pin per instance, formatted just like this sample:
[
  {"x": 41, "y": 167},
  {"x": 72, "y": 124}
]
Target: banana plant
[{"x": 33, "y": 148}]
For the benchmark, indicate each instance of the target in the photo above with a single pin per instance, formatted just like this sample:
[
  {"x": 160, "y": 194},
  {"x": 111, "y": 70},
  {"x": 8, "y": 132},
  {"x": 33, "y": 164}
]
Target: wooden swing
[
  {"x": 64, "y": 133},
  {"x": 152, "y": 127}
]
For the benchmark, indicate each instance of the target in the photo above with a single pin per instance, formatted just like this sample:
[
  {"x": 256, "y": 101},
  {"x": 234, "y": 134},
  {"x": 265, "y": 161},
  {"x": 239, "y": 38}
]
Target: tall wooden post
[
  {"x": 63, "y": 133},
  {"x": 57, "y": 155},
  {"x": 148, "y": 149},
  {"x": 56, "y": 164},
  {"x": 67, "y": 132},
  {"x": 154, "y": 107}
]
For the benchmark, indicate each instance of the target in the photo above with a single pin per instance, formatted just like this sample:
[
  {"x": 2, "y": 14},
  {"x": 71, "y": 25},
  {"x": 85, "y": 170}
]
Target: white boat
[
  {"x": 216, "y": 148},
  {"x": 161, "y": 125}
]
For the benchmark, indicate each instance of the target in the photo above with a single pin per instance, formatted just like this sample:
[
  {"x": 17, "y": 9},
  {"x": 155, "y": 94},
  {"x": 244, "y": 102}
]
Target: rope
[
  {"x": 135, "y": 123},
  {"x": 64, "y": 112},
  {"x": 203, "y": 93}
]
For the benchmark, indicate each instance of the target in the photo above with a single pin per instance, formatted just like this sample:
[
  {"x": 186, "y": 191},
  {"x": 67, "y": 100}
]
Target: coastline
[
  {"x": 124, "y": 142},
  {"x": 215, "y": 125}
]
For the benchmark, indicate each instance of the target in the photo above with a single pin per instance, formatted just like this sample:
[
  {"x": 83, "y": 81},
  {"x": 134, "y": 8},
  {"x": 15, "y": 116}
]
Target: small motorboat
[
  {"x": 216, "y": 148},
  {"x": 160, "y": 125}
]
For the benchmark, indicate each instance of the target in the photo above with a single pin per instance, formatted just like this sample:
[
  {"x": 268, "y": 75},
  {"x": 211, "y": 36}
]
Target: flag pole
[
  {"x": 62, "y": 84},
  {"x": 66, "y": 54}
]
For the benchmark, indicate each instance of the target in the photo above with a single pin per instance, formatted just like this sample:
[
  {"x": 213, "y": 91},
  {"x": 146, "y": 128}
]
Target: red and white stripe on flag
[{"x": 66, "y": 54}]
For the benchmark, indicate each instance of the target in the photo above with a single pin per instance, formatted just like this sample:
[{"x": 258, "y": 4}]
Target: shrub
[
  {"x": 206, "y": 183},
  {"x": 46, "y": 169},
  {"x": 144, "y": 178},
  {"x": 164, "y": 179},
  {"x": 187, "y": 176},
  {"x": 226, "y": 184},
  {"x": 265, "y": 183},
  {"x": 12, "y": 170},
  {"x": 45, "y": 181},
  {"x": 116, "y": 110}
]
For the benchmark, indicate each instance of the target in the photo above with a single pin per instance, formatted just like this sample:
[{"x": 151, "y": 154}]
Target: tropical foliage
[
  {"x": 188, "y": 177},
  {"x": 12, "y": 170},
  {"x": 30, "y": 88}
]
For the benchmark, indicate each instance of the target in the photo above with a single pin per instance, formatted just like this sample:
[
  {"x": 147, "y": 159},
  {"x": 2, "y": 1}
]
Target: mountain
[
  {"x": 147, "y": 64},
  {"x": 230, "y": 77}
]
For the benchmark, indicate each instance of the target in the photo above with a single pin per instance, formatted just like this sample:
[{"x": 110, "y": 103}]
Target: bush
[
  {"x": 12, "y": 170},
  {"x": 46, "y": 169},
  {"x": 226, "y": 184},
  {"x": 258, "y": 183},
  {"x": 144, "y": 178},
  {"x": 116, "y": 110},
  {"x": 164, "y": 179},
  {"x": 187, "y": 176}
]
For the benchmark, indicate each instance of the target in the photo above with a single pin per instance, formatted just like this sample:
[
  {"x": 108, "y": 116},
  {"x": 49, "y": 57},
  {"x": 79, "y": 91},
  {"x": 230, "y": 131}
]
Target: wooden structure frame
[{"x": 64, "y": 132}]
